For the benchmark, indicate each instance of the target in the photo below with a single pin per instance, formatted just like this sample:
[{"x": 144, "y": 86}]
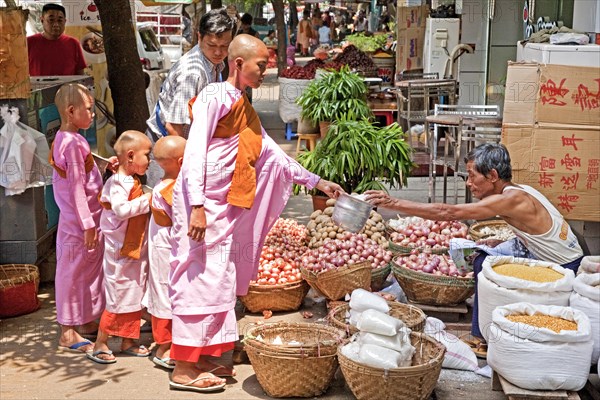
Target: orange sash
[
  {"x": 88, "y": 164},
  {"x": 160, "y": 216},
  {"x": 136, "y": 226},
  {"x": 242, "y": 120}
]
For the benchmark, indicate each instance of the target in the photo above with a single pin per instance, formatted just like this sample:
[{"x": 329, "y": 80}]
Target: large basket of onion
[
  {"x": 341, "y": 265},
  {"x": 406, "y": 234},
  {"x": 293, "y": 359},
  {"x": 279, "y": 285},
  {"x": 433, "y": 279}
]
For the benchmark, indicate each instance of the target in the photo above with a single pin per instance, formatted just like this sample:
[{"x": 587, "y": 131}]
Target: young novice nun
[
  {"x": 168, "y": 153},
  {"x": 79, "y": 244},
  {"x": 124, "y": 223},
  {"x": 233, "y": 185}
]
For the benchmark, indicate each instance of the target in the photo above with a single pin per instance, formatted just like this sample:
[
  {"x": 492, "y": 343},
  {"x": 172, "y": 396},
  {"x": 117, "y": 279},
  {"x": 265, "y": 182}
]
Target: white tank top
[{"x": 559, "y": 244}]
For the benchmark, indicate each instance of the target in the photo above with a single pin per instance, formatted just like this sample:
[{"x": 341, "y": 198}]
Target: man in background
[{"x": 52, "y": 52}]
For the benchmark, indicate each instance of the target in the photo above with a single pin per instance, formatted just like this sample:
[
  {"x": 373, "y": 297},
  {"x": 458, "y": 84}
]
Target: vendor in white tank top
[{"x": 541, "y": 231}]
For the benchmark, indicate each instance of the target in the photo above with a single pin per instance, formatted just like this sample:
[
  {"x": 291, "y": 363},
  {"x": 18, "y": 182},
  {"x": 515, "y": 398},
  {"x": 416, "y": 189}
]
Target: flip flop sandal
[
  {"x": 223, "y": 375},
  {"x": 131, "y": 352},
  {"x": 75, "y": 348},
  {"x": 94, "y": 357},
  {"x": 164, "y": 362},
  {"x": 188, "y": 386}
]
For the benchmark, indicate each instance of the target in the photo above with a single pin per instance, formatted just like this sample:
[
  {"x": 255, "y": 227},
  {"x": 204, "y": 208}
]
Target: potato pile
[{"x": 321, "y": 227}]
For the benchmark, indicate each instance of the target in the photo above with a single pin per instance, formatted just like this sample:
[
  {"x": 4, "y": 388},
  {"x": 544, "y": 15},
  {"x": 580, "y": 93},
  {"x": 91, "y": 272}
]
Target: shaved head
[
  {"x": 169, "y": 147},
  {"x": 245, "y": 47},
  {"x": 71, "y": 94},
  {"x": 130, "y": 140}
]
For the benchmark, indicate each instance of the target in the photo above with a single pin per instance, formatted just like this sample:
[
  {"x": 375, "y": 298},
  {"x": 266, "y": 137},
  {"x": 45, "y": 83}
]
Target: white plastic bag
[
  {"x": 497, "y": 290},
  {"x": 353, "y": 317},
  {"x": 589, "y": 265},
  {"x": 377, "y": 322},
  {"x": 381, "y": 357},
  {"x": 362, "y": 300},
  {"x": 351, "y": 350},
  {"x": 539, "y": 358},
  {"x": 458, "y": 354},
  {"x": 395, "y": 342},
  {"x": 289, "y": 91},
  {"x": 23, "y": 154},
  {"x": 586, "y": 298}
]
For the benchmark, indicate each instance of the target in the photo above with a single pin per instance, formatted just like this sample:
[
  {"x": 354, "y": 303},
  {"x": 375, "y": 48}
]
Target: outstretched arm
[{"x": 489, "y": 207}]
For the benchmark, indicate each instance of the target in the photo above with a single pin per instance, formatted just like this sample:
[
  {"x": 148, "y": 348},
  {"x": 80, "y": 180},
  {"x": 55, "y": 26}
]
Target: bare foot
[
  {"x": 133, "y": 348},
  {"x": 186, "y": 373},
  {"x": 163, "y": 351},
  {"x": 70, "y": 340}
]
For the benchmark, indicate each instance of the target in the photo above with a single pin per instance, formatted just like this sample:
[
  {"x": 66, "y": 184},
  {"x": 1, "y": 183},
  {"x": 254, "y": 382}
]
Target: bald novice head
[
  {"x": 131, "y": 140},
  {"x": 71, "y": 94},
  {"x": 248, "y": 59},
  {"x": 169, "y": 147}
]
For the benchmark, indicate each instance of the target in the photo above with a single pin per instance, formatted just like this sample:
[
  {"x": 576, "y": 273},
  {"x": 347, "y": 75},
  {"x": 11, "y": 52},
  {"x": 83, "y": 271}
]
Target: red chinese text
[
  {"x": 552, "y": 94},
  {"x": 566, "y": 201},
  {"x": 546, "y": 180},
  {"x": 547, "y": 163},
  {"x": 592, "y": 176},
  {"x": 572, "y": 141},
  {"x": 570, "y": 182},
  {"x": 569, "y": 162},
  {"x": 585, "y": 99}
]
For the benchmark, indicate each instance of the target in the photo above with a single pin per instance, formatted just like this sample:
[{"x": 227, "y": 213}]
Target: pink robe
[
  {"x": 124, "y": 277},
  {"x": 79, "y": 277},
  {"x": 159, "y": 250},
  {"x": 206, "y": 277}
]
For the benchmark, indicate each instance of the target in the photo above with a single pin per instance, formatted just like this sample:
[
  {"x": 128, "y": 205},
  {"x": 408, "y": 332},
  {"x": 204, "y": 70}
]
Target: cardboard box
[
  {"x": 409, "y": 49},
  {"x": 411, "y": 17},
  {"x": 552, "y": 94},
  {"x": 562, "y": 162}
]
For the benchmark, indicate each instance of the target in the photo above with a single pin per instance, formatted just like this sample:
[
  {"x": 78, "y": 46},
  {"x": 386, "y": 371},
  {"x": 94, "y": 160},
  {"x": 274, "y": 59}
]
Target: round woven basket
[
  {"x": 378, "y": 277},
  {"x": 475, "y": 229},
  {"x": 286, "y": 297},
  {"x": 302, "y": 370},
  {"x": 397, "y": 250},
  {"x": 407, "y": 383},
  {"x": 334, "y": 284},
  {"x": 412, "y": 316},
  {"x": 19, "y": 284},
  {"x": 424, "y": 288}
]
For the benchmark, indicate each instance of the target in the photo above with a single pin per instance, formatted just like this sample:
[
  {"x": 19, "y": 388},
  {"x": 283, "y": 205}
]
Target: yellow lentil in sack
[
  {"x": 525, "y": 272},
  {"x": 544, "y": 321}
]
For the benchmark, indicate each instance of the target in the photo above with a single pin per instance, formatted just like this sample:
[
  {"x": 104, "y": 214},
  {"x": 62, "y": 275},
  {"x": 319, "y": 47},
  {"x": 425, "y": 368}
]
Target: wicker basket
[
  {"x": 378, "y": 277},
  {"x": 407, "y": 383},
  {"x": 19, "y": 284},
  {"x": 334, "y": 284},
  {"x": 412, "y": 316},
  {"x": 398, "y": 250},
  {"x": 475, "y": 229},
  {"x": 294, "y": 370},
  {"x": 424, "y": 288},
  {"x": 287, "y": 297}
]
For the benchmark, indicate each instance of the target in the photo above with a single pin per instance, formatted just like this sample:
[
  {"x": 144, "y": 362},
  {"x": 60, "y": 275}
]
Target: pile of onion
[
  {"x": 436, "y": 264},
  {"x": 351, "y": 249},
  {"x": 321, "y": 227},
  {"x": 428, "y": 234},
  {"x": 280, "y": 257}
]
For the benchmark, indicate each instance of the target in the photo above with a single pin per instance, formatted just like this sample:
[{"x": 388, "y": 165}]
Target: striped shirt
[{"x": 187, "y": 77}]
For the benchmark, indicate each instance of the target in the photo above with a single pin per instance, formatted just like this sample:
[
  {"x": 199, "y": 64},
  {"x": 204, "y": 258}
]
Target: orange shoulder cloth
[
  {"x": 160, "y": 216},
  {"x": 242, "y": 120},
  {"x": 89, "y": 163},
  {"x": 136, "y": 226}
]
